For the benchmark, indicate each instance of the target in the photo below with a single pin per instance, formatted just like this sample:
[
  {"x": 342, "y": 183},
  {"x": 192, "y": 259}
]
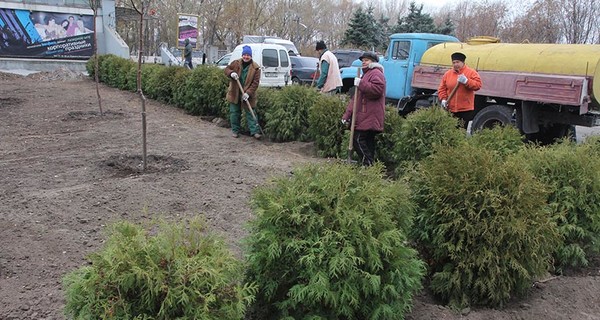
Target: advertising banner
[
  {"x": 39, "y": 34},
  {"x": 187, "y": 29}
]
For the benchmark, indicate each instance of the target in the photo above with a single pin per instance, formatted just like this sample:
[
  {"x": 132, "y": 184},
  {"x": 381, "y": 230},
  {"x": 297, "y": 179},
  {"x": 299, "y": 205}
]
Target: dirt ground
[{"x": 66, "y": 173}]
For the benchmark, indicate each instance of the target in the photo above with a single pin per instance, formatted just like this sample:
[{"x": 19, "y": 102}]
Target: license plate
[{"x": 271, "y": 74}]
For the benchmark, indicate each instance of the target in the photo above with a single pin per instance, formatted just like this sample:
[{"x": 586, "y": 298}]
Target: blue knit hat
[{"x": 247, "y": 50}]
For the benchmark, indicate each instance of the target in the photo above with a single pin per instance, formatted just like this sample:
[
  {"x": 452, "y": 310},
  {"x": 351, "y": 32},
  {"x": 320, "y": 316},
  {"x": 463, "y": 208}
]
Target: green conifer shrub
[
  {"x": 265, "y": 100},
  {"x": 482, "y": 225},
  {"x": 161, "y": 84},
  {"x": 287, "y": 118},
  {"x": 389, "y": 138},
  {"x": 148, "y": 69},
  {"x": 176, "y": 272},
  {"x": 325, "y": 127},
  {"x": 203, "y": 92},
  {"x": 504, "y": 140},
  {"x": 107, "y": 67},
  {"x": 422, "y": 131},
  {"x": 91, "y": 64},
  {"x": 180, "y": 79},
  {"x": 330, "y": 243},
  {"x": 572, "y": 174}
]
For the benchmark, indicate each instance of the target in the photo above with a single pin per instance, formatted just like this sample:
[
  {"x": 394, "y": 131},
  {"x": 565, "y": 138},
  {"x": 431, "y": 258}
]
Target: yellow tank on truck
[{"x": 557, "y": 59}]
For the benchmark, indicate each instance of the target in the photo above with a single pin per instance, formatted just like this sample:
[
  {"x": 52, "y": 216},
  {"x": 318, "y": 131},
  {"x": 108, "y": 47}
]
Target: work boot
[
  {"x": 235, "y": 135},
  {"x": 257, "y": 136}
]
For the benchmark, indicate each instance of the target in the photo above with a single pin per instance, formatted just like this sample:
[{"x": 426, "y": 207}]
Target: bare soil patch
[{"x": 67, "y": 172}]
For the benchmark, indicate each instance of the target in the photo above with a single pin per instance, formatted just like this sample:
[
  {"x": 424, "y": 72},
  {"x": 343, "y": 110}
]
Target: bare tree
[
  {"x": 479, "y": 18},
  {"x": 539, "y": 23},
  {"x": 579, "y": 20},
  {"x": 141, "y": 8},
  {"x": 94, "y": 5}
]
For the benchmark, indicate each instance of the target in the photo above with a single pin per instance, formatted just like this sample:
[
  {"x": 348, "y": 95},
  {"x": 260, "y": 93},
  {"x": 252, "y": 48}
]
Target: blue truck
[{"x": 543, "y": 89}]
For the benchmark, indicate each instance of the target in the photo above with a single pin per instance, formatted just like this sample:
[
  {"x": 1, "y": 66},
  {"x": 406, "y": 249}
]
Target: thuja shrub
[
  {"x": 422, "y": 131},
  {"x": 161, "y": 84},
  {"x": 504, "y": 140},
  {"x": 179, "y": 80},
  {"x": 106, "y": 69},
  {"x": 149, "y": 71},
  {"x": 287, "y": 118},
  {"x": 90, "y": 65},
  {"x": 389, "y": 138},
  {"x": 330, "y": 243},
  {"x": 481, "y": 224},
  {"x": 117, "y": 73},
  {"x": 572, "y": 174},
  {"x": 325, "y": 127},
  {"x": 204, "y": 92},
  {"x": 177, "y": 272},
  {"x": 264, "y": 104}
]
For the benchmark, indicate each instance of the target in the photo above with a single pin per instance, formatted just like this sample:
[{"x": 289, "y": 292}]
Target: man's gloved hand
[
  {"x": 462, "y": 79},
  {"x": 245, "y": 97},
  {"x": 234, "y": 76},
  {"x": 356, "y": 81},
  {"x": 444, "y": 104}
]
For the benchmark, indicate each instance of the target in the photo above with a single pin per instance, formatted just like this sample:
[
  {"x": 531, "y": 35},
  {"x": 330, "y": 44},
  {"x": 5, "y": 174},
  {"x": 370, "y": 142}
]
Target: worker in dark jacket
[
  {"x": 187, "y": 53},
  {"x": 370, "y": 110},
  {"x": 248, "y": 73}
]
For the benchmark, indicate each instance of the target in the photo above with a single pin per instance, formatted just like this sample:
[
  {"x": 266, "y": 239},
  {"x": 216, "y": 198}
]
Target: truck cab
[{"x": 403, "y": 54}]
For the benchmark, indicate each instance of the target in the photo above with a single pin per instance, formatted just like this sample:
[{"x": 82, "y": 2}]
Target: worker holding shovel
[
  {"x": 245, "y": 77},
  {"x": 366, "y": 110},
  {"x": 457, "y": 89}
]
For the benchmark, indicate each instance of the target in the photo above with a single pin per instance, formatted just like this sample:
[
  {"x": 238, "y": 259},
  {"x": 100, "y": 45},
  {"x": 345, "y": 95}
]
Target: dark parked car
[
  {"x": 303, "y": 69},
  {"x": 346, "y": 56}
]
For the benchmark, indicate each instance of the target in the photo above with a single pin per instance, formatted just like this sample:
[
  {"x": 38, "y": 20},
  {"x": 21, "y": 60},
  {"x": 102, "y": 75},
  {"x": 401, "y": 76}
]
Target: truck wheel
[
  {"x": 492, "y": 116},
  {"x": 552, "y": 133}
]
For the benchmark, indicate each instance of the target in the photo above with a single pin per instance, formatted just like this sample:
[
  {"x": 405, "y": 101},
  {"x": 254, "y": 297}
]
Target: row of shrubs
[{"x": 479, "y": 217}]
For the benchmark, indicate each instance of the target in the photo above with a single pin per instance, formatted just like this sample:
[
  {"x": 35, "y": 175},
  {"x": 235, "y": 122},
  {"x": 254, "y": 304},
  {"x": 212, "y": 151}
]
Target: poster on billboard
[
  {"x": 48, "y": 35},
  {"x": 187, "y": 29}
]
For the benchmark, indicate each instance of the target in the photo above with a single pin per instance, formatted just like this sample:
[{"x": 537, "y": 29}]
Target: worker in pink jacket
[{"x": 370, "y": 110}]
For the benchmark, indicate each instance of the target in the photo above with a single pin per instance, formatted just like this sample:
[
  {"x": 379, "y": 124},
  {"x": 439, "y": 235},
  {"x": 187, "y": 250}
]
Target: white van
[
  {"x": 289, "y": 46},
  {"x": 274, "y": 63}
]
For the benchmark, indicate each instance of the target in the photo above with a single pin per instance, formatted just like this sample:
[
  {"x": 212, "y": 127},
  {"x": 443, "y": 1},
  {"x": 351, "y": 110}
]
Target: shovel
[
  {"x": 312, "y": 84},
  {"x": 353, "y": 122},
  {"x": 250, "y": 107}
]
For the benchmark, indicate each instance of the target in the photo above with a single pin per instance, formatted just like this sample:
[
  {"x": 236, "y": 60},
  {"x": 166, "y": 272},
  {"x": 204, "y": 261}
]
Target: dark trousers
[
  {"x": 364, "y": 144},
  {"x": 188, "y": 63},
  {"x": 465, "y": 117}
]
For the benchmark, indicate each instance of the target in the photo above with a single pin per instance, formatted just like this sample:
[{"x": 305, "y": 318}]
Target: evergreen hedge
[
  {"x": 330, "y": 243},
  {"x": 482, "y": 225},
  {"x": 287, "y": 118},
  {"x": 325, "y": 127},
  {"x": 178, "y": 273},
  {"x": 421, "y": 132},
  {"x": 572, "y": 174}
]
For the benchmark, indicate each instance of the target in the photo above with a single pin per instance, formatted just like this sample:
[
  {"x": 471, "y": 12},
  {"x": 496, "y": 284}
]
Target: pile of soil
[{"x": 68, "y": 171}]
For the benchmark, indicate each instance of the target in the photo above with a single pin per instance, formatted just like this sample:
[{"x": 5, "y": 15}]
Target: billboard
[
  {"x": 187, "y": 27},
  {"x": 48, "y": 35}
]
